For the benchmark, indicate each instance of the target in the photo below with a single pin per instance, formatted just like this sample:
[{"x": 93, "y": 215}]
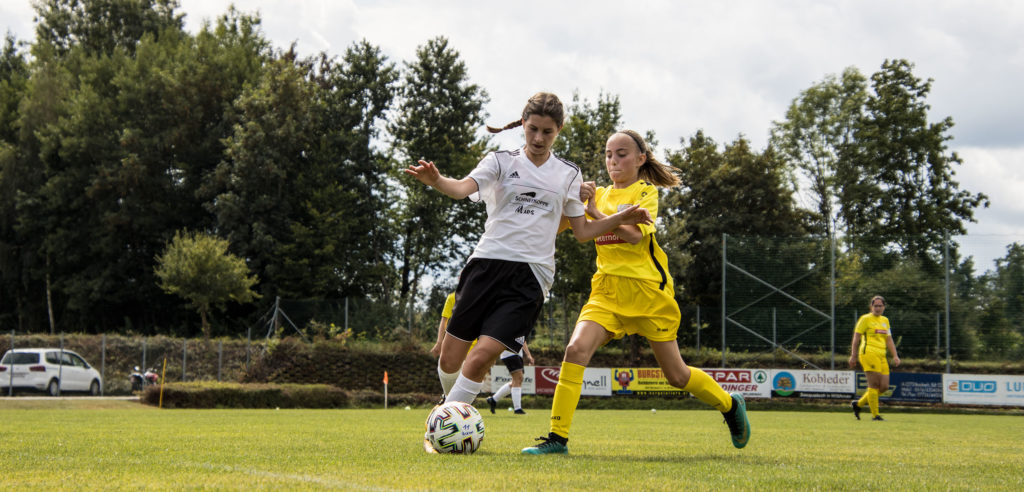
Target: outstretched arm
[
  {"x": 629, "y": 233},
  {"x": 427, "y": 173},
  {"x": 584, "y": 230}
]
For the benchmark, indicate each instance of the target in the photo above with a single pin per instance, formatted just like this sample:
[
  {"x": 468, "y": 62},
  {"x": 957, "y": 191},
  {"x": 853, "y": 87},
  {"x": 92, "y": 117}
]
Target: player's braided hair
[
  {"x": 540, "y": 104},
  {"x": 653, "y": 171}
]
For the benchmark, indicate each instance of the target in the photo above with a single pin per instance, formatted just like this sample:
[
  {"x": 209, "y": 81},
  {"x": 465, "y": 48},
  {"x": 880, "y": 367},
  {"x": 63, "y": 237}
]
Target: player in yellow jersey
[
  {"x": 446, "y": 314},
  {"x": 632, "y": 293},
  {"x": 871, "y": 338}
]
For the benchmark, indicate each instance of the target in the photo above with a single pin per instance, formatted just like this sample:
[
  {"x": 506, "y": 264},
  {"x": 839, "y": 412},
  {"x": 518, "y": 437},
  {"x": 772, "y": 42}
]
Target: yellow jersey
[
  {"x": 449, "y": 305},
  {"x": 873, "y": 330},
  {"x": 644, "y": 260}
]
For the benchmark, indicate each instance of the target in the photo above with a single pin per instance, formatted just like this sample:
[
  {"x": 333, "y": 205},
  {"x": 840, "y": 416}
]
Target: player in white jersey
[
  {"x": 514, "y": 363},
  {"x": 502, "y": 288}
]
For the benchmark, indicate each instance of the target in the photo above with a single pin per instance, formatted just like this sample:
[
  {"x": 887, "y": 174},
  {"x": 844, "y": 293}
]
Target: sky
[{"x": 729, "y": 68}]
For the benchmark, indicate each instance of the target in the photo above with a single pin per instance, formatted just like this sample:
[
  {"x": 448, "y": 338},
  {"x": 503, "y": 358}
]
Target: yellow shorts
[
  {"x": 629, "y": 306},
  {"x": 874, "y": 363}
]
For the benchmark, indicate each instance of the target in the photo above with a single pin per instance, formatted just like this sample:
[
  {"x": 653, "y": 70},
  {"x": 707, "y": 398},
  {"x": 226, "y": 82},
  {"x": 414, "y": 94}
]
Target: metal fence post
[
  {"x": 184, "y": 357},
  {"x": 698, "y": 328},
  {"x": 144, "y": 368},
  {"x": 775, "y": 343},
  {"x": 832, "y": 292},
  {"x": 945, "y": 259},
  {"x": 10, "y": 374},
  {"x": 60, "y": 368},
  {"x": 220, "y": 357},
  {"x": 248, "y": 344},
  {"x": 723, "y": 298},
  {"x": 103, "y": 363}
]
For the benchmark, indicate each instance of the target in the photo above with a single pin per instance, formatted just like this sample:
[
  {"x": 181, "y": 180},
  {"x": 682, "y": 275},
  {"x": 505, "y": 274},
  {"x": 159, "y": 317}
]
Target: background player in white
[
  {"x": 514, "y": 363},
  {"x": 502, "y": 288}
]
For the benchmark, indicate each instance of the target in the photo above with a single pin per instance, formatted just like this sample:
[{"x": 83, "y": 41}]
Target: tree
[
  {"x": 735, "y": 192},
  {"x": 13, "y": 83},
  {"x": 818, "y": 125},
  {"x": 438, "y": 118},
  {"x": 102, "y": 26},
  {"x": 582, "y": 141},
  {"x": 1001, "y": 324},
  {"x": 896, "y": 179},
  {"x": 198, "y": 268},
  {"x": 342, "y": 232},
  {"x": 267, "y": 169}
]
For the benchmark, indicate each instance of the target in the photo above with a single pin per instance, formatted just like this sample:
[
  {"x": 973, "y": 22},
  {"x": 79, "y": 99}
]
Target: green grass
[{"x": 125, "y": 445}]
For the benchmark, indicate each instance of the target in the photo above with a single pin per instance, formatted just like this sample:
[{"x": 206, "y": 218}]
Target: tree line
[{"x": 120, "y": 130}]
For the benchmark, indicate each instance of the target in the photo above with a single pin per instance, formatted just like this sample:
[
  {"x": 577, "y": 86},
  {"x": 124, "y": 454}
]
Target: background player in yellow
[
  {"x": 871, "y": 337},
  {"x": 632, "y": 293},
  {"x": 446, "y": 314}
]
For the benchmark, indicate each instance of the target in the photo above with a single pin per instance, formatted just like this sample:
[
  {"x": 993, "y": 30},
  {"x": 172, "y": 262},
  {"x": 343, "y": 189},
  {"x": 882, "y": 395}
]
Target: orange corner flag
[{"x": 385, "y": 377}]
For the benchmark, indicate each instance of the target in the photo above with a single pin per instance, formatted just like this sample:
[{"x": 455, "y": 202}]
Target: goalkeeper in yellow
[
  {"x": 632, "y": 293},
  {"x": 871, "y": 338}
]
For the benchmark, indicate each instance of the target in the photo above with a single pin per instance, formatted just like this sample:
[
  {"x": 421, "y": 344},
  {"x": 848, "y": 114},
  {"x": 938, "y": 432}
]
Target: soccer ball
[{"x": 455, "y": 427}]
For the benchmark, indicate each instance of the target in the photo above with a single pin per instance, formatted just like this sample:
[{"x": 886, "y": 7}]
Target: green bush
[{"x": 208, "y": 394}]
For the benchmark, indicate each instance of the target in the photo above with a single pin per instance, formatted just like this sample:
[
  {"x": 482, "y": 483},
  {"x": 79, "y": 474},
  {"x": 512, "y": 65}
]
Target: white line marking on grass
[{"x": 288, "y": 476}]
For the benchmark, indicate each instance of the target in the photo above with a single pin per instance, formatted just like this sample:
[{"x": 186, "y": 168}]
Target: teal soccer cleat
[
  {"x": 736, "y": 418},
  {"x": 553, "y": 444}
]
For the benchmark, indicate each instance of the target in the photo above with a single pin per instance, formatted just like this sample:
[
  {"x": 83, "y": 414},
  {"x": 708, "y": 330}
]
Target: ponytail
[
  {"x": 540, "y": 104},
  {"x": 506, "y": 127}
]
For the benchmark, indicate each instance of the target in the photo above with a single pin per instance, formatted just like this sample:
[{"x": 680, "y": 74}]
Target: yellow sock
[
  {"x": 863, "y": 401},
  {"x": 567, "y": 396},
  {"x": 873, "y": 401},
  {"x": 708, "y": 390}
]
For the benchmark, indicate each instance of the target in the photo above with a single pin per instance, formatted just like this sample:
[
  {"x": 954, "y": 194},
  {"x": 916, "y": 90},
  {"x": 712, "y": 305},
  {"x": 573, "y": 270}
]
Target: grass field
[{"x": 88, "y": 445}]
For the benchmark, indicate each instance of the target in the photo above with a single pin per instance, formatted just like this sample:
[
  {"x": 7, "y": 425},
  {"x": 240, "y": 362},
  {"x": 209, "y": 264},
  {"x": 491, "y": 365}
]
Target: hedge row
[{"x": 238, "y": 395}]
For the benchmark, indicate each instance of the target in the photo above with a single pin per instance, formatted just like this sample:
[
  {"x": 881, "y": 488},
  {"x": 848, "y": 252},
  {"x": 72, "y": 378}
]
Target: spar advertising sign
[
  {"x": 907, "y": 386},
  {"x": 597, "y": 381},
  {"x": 500, "y": 376},
  {"x": 983, "y": 389},
  {"x": 751, "y": 383},
  {"x": 813, "y": 384}
]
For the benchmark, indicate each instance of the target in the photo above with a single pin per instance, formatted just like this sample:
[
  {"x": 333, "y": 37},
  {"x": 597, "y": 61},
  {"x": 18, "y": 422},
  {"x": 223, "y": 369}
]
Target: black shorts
[
  {"x": 513, "y": 363},
  {"x": 497, "y": 299}
]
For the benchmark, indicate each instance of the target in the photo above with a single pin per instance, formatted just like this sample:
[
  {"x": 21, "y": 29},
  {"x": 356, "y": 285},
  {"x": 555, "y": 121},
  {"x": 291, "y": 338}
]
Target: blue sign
[{"x": 908, "y": 386}]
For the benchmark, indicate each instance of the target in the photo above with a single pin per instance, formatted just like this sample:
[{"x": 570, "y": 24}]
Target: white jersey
[{"x": 525, "y": 204}]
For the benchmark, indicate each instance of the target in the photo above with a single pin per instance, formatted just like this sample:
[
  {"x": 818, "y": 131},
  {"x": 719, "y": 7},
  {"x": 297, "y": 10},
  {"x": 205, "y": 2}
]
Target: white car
[{"x": 48, "y": 369}]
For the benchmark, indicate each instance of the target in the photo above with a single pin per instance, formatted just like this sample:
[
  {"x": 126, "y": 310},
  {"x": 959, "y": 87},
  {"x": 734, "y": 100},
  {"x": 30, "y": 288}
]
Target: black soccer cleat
[
  {"x": 856, "y": 409},
  {"x": 878, "y": 417},
  {"x": 519, "y": 411},
  {"x": 491, "y": 403}
]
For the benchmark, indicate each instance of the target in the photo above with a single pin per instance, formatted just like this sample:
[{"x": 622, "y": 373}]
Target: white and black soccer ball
[{"x": 455, "y": 427}]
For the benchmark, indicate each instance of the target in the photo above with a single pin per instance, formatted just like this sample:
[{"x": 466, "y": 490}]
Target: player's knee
[
  {"x": 448, "y": 365},
  {"x": 679, "y": 379},
  {"x": 577, "y": 354}
]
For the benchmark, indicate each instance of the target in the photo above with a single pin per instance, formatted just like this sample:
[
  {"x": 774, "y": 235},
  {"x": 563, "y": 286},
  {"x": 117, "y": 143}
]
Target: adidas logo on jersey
[{"x": 515, "y": 174}]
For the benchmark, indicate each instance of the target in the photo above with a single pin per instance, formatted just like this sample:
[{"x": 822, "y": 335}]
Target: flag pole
[{"x": 385, "y": 390}]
